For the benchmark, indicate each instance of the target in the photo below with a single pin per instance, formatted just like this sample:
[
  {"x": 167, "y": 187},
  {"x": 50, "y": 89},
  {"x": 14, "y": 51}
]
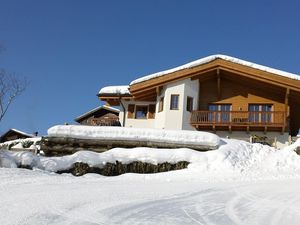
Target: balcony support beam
[
  {"x": 219, "y": 84},
  {"x": 286, "y": 109}
]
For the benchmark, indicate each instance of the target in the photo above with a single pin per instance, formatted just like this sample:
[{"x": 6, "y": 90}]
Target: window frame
[
  {"x": 171, "y": 102},
  {"x": 260, "y": 115},
  {"x": 136, "y": 112},
  {"x": 189, "y": 104},
  {"x": 219, "y": 112}
]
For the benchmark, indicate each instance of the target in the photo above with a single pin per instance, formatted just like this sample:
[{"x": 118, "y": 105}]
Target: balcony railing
[{"x": 237, "y": 118}]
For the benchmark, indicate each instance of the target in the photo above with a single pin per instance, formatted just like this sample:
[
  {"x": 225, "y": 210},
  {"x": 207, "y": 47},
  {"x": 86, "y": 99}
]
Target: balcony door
[
  {"x": 260, "y": 113},
  {"x": 219, "y": 112}
]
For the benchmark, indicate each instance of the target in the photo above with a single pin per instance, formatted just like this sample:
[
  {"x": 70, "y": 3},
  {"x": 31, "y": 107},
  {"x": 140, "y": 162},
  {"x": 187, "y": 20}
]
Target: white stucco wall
[
  {"x": 177, "y": 119},
  {"x": 160, "y": 116},
  {"x": 171, "y": 119},
  {"x": 191, "y": 89}
]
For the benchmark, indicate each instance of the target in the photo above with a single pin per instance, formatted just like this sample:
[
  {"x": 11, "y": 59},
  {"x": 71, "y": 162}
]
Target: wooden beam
[
  {"x": 286, "y": 102},
  {"x": 199, "y": 93},
  {"x": 286, "y": 110},
  {"x": 159, "y": 90},
  {"x": 151, "y": 95},
  {"x": 218, "y": 84}
]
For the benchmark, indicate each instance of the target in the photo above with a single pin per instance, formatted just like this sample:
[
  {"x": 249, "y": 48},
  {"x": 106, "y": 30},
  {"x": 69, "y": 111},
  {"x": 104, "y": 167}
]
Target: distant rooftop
[{"x": 95, "y": 110}]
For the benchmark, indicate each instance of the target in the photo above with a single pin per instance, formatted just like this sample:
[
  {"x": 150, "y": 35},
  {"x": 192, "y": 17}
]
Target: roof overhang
[
  {"x": 113, "y": 94},
  {"x": 271, "y": 76}
]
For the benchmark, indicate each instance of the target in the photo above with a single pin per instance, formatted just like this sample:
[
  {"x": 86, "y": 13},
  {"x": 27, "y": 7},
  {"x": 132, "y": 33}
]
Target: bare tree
[{"x": 10, "y": 87}]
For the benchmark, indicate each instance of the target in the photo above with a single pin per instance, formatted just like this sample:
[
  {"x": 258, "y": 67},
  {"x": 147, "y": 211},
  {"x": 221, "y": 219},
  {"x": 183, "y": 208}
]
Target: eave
[{"x": 203, "y": 70}]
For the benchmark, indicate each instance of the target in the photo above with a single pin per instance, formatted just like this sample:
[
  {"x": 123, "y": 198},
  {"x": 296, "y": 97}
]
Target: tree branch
[{"x": 10, "y": 88}]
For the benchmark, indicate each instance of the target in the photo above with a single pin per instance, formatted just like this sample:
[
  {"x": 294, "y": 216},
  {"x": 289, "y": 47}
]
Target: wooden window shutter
[
  {"x": 130, "y": 114},
  {"x": 151, "y": 114}
]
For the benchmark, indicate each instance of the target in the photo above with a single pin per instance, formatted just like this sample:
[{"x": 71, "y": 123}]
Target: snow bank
[
  {"x": 122, "y": 90},
  {"x": 213, "y": 57},
  {"x": 135, "y": 134},
  {"x": 126, "y": 156},
  {"x": 9, "y": 159},
  {"x": 234, "y": 157}
]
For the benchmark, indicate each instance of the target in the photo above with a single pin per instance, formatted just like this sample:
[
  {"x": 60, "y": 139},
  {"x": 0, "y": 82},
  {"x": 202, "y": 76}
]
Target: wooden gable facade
[{"x": 100, "y": 116}]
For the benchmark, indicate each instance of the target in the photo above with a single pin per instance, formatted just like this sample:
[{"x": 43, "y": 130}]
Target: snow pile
[
  {"x": 233, "y": 158},
  {"x": 214, "y": 57},
  {"x": 135, "y": 134},
  {"x": 126, "y": 156},
  {"x": 10, "y": 159},
  {"x": 122, "y": 90}
]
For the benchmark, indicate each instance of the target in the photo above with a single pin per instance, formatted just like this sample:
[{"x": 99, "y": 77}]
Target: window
[
  {"x": 260, "y": 113},
  {"x": 141, "y": 112},
  {"x": 174, "y": 102},
  {"x": 161, "y": 104},
  {"x": 151, "y": 113},
  {"x": 189, "y": 104},
  {"x": 219, "y": 112},
  {"x": 131, "y": 108}
]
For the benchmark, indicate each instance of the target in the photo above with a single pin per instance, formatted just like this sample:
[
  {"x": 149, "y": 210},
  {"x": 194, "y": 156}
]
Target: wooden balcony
[{"x": 238, "y": 120}]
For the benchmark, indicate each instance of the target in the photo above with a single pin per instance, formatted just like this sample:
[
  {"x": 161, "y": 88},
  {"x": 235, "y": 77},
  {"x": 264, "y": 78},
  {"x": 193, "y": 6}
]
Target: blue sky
[{"x": 69, "y": 49}]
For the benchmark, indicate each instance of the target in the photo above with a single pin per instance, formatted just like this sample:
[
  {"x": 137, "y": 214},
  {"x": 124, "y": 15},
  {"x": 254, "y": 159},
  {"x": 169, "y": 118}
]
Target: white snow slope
[{"x": 239, "y": 183}]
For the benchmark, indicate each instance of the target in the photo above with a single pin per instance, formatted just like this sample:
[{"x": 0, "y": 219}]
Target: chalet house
[
  {"x": 228, "y": 96},
  {"x": 13, "y": 134},
  {"x": 100, "y": 116}
]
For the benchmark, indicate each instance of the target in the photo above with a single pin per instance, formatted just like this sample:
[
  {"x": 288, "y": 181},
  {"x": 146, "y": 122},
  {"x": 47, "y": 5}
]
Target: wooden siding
[
  {"x": 102, "y": 117},
  {"x": 239, "y": 93}
]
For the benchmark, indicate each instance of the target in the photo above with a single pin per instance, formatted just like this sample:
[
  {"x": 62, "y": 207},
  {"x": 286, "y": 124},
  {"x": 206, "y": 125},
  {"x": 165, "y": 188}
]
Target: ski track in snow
[
  {"x": 35, "y": 197},
  {"x": 215, "y": 206}
]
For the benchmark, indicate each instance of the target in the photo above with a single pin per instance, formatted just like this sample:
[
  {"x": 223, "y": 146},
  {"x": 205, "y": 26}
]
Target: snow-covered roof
[
  {"x": 115, "y": 90},
  {"x": 214, "y": 57},
  {"x": 96, "y": 109},
  {"x": 18, "y": 131}
]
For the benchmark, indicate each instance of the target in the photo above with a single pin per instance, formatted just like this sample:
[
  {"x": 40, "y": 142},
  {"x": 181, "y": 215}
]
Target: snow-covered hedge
[{"x": 18, "y": 144}]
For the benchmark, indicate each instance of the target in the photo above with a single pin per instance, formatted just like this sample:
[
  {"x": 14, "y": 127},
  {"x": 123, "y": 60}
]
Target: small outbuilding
[
  {"x": 100, "y": 116},
  {"x": 13, "y": 134}
]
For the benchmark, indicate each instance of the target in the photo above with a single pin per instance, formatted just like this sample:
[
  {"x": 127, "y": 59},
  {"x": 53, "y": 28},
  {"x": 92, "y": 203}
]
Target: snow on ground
[
  {"x": 213, "y": 57},
  {"x": 34, "y": 197},
  {"x": 240, "y": 183},
  {"x": 135, "y": 134}
]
